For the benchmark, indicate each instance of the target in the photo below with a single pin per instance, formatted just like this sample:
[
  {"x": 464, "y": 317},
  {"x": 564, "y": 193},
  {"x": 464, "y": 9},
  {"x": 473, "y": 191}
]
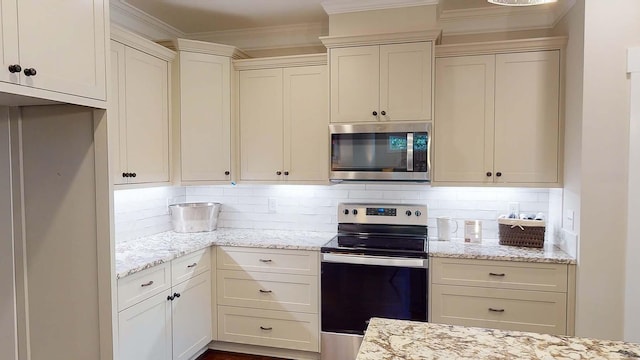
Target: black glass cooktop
[{"x": 405, "y": 242}]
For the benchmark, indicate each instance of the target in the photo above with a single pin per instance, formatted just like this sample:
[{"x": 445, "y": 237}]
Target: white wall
[{"x": 632, "y": 283}]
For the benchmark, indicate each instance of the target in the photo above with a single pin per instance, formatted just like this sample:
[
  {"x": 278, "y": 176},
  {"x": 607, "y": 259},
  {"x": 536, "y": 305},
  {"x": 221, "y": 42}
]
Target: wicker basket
[{"x": 514, "y": 232}]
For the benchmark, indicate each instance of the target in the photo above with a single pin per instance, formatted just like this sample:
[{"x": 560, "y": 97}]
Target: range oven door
[
  {"x": 380, "y": 151},
  {"x": 356, "y": 288}
]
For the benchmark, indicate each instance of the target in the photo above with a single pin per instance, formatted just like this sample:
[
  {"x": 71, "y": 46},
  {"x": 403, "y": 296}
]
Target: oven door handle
[{"x": 375, "y": 260}]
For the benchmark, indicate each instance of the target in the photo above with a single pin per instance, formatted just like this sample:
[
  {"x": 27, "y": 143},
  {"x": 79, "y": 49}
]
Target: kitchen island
[{"x": 397, "y": 339}]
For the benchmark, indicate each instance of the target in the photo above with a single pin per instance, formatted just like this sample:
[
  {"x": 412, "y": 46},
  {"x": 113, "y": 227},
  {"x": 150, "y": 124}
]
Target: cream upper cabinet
[
  {"x": 381, "y": 82},
  {"x": 140, "y": 102},
  {"x": 60, "y": 50},
  {"x": 497, "y": 118},
  {"x": 284, "y": 124},
  {"x": 261, "y": 137},
  {"x": 527, "y": 117},
  {"x": 205, "y": 120}
]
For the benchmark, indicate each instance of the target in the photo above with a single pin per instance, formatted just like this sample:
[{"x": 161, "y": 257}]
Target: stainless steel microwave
[{"x": 396, "y": 152}]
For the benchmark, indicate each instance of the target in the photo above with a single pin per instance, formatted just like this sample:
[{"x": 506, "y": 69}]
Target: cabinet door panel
[
  {"x": 9, "y": 40},
  {"x": 306, "y": 123},
  {"x": 205, "y": 127},
  {"x": 261, "y": 141},
  {"x": 144, "y": 330},
  {"x": 117, "y": 114},
  {"x": 526, "y": 117},
  {"x": 65, "y": 43},
  {"x": 191, "y": 315},
  {"x": 405, "y": 81},
  {"x": 464, "y": 112},
  {"x": 147, "y": 119},
  {"x": 355, "y": 83}
]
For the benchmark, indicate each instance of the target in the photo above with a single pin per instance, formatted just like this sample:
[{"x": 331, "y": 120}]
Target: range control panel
[{"x": 391, "y": 214}]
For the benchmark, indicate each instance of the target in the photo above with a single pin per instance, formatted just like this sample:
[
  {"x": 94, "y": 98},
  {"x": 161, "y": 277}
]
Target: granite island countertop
[
  {"x": 139, "y": 254},
  {"x": 398, "y": 339}
]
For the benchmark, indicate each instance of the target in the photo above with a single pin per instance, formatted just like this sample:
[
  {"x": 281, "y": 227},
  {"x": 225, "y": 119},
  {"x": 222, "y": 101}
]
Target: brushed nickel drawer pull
[
  {"x": 266, "y": 328},
  {"x": 265, "y": 260},
  {"x": 265, "y": 291},
  {"x": 496, "y": 310},
  {"x": 147, "y": 284},
  {"x": 496, "y": 274},
  {"x": 192, "y": 265}
]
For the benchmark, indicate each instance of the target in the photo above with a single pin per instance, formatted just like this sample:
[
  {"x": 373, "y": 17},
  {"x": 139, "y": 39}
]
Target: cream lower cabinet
[
  {"x": 140, "y": 106},
  {"x": 268, "y": 298},
  {"x": 55, "y": 52},
  {"x": 165, "y": 311},
  {"x": 502, "y": 295},
  {"x": 497, "y": 119},
  {"x": 381, "y": 82},
  {"x": 284, "y": 124}
]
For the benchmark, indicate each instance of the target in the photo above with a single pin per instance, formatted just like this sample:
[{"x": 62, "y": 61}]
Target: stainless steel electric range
[{"x": 377, "y": 266}]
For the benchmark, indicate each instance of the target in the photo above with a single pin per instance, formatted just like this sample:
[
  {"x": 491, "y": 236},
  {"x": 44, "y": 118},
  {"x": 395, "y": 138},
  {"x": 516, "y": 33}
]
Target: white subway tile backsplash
[{"x": 142, "y": 212}]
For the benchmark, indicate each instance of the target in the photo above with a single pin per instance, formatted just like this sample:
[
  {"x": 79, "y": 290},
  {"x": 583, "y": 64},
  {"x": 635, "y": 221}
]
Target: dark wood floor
[{"x": 223, "y": 355}]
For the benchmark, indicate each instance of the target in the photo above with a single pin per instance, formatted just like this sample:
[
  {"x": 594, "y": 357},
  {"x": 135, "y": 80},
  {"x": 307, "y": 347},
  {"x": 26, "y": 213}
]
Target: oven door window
[
  {"x": 379, "y": 152},
  {"x": 352, "y": 294}
]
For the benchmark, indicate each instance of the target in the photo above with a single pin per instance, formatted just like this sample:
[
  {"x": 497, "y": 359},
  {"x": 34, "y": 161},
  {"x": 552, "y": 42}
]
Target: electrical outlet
[
  {"x": 514, "y": 208},
  {"x": 273, "y": 204}
]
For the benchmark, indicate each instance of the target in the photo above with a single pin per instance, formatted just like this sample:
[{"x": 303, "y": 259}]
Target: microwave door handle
[
  {"x": 409, "y": 151},
  {"x": 429, "y": 152}
]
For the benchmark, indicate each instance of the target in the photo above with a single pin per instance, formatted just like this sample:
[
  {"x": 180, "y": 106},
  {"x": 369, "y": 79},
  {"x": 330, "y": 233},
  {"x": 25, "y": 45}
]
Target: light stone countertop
[
  {"x": 492, "y": 250},
  {"x": 139, "y": 254},
  {"x": 398, "y": 339}
]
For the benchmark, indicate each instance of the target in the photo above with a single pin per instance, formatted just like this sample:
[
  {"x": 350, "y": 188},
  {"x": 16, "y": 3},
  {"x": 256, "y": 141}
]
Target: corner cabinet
[
  {"x": 497, "y": 116},
  {"x": 139, "y": 109},
  {"x": 385, "y": 78},
  {"x": 505, "y": 295},
  {"x": 56, "y": 53},
  {"x": 283, "y": 119},
  {"x": 202, "y": 111}
]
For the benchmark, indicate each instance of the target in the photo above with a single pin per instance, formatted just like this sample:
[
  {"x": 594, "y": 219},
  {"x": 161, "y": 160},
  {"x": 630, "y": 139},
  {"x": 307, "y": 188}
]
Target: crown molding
[
  {"x": 332, "y": 7},
  {"x": 136, "y": 20},
  {"x": 128, "y": 38},
  {"x": 280, "y": 61},
  {"x": 487, "y": 20},
  {"x": 503, "y": 46},
  {"x": 561, "y": 9},
  {"x": 204, "y": 47},
  {"x": 269, "y": 37},
  {"x": 375, "y": 39}
]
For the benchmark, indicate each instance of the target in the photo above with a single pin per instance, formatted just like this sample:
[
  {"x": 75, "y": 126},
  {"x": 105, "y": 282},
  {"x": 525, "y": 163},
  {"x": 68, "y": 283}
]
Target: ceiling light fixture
[{"x": 521, "y": 2}]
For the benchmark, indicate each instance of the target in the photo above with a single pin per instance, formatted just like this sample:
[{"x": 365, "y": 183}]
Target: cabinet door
[
  {"x": 306, "y": 120},
  {"x": 405, "y": 81},
  {"x": 147, "y": 118},
  {"x": 261, "y": 146},
  {"x": 65, "y": 42},
  {"x": 191, "y": 314},
  {"x": 355, "y": 83},
  {"x": 464, "y": 111},
  {"x": 526, "y": 117},
  {"x": 9, "y": 40},
  {"x": 117, "y": 115},
  {"x": 205, "y": 120},
  {"x": 144, "y": 330}
]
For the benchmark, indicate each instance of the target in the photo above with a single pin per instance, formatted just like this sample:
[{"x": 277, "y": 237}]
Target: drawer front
[
  {"x": 280, "y": 329},
  {"x": 142, "y": 285},
  {"x": 188, "y": 266},
  {"x": 500, "y": 274},
  {"x": 544, "y": 312},
  {"x": 268, "y": 260},
  {"x": 286, "y": 292}
]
